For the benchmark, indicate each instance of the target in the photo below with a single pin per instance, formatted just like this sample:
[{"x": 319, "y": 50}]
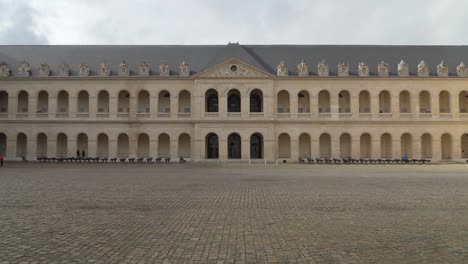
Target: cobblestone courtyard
[{"x": 104, "y": 213}]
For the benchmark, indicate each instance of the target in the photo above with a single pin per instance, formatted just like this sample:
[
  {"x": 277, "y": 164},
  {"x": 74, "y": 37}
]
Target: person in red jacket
[{"x": 1, "y": 160}]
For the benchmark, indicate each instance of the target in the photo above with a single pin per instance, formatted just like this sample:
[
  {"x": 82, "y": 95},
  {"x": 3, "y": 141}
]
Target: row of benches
[
  {"x": 104, "y": 160},
  {"x": 363, "y": 161}
]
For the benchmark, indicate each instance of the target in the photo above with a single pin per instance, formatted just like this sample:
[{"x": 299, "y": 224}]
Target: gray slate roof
[{"x": 263, "y": 57}]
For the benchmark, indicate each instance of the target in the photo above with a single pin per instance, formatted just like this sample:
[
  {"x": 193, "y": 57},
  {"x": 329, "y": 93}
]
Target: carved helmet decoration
[
  {"x": 184, "y": 69},
  {"x": 104, "y": 70},
  {"x": 442, "y": 69},
  {"x": 282, "y": 69},
  {"x": 84, "y": 69},
  {"x": 124, "y": 71},
  {"x": 303, "y": 69},
  {"x": 4, "y": 70},
  {"x": 143, "y": 69},
  {"x": 343, "y": 69},
  {"x": 383, "y": 69},
  {"x": 322, "y": 69},
  {"x": 164, "y": 69},
  {"x": 64, "y": 70},
  {"x": 363, "y": 69},
  {"x": 403, "y": 69},
  {"x": 24, "y": 70},
  {"x": 44, "y": 70},
  {"x": 462, "y": 71},
  {"x": 423, "y": 69}
]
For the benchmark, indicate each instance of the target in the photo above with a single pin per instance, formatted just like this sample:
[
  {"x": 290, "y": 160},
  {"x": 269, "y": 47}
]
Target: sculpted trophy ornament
[
  {"x": 303, "y": 69},
  {"x": 403, "y": 69},
  {"x": 143, "y": 69},
  {"x": 64, "y": 70},
  {"x": 461, "y": 70},
  {"x": 442, "y": 69},
  {"x": 164, "y": 69},
  {"x": 4, "y": 70},
  {"x": 322, "y": 69},
  {"x": 184, "y": 69},
  {"x": 383, "y": 69},
  {"x": 423, "y": 69},
  {"x": 84, "y": 69},
  {"x": 44, "y": 70},
  {"x": 363, "y": 69},
  {"x": 104, "y": 70},
  {"x": 123, "y": 69},
  {"x": 282, "y": 69},
  {"x": 343, "y": 69},
  {"x": 24, "y": 70}
]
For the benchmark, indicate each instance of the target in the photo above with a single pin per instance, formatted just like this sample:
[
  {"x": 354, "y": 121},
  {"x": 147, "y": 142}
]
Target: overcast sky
[{"x": 421, "y": 22}]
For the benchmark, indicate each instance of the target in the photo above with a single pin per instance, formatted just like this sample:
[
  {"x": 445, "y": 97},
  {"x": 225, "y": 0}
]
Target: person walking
[{"x": 1, "y": 160}]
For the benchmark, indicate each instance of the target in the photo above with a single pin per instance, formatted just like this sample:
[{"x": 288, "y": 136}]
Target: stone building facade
[{"x": 265, "y": 102}]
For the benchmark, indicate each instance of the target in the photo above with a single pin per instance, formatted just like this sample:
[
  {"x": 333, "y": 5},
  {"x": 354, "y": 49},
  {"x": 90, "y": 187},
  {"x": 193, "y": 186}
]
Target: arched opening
[
  {"x": 234, "y": 101},
  {"x": 424, "y": 102},
  {"x": 41, "y": 145},
  {"x": 284, "y": 146},
  {"x": 184, "y": 102},
  {"x": 444, "y": 102},
  {"x": 43, "y": 102},
  {"x": 82, "y": 144},
  {"x": 464, "y": 146},
  {"x": 3, "y": 144},
  {"x": 211, "y": 101},
  {"x": 83, "y": 102},
  {"x": 325, "y": 146},
  {"x": 405, "y": 102},
  {"x": 446, "y": 146},
  {"x": 164, "y": 145},
  {"x": 212, "y": 146},
  {"x": 143, "y": 102},
  {"x": 62, "y": 102},
  {"x": 303, "y": 102},
  {"x": 122, "y": 146},
  {"x": 366, "y": 146},
  {"x": 103, "y": 145},
  {"x": 256, "y": 146},
  {"x": 123, "y": 104},
  {"x": 463, "y": 101},
  {"x": 345, "y": 145},
  {"x": 185, "y": 147},
  {"x": 283, "y": 102},
  {"x": 21, "y": 145},
  {"x": 234, "y": 146},
  {"x": 62, "y": 145},
  {"x": 406, "y": 145},
  {"x": 344, "y": 102},
  {"x": 23, "y": 99},
  {"x": 384, "y": 102},
  {"x": 324, "y": 102},
  {"x": 164, "y": 102},
  {"x": 386, "y": 146},
  {"x": 364, "y": 102},
  {"x": 304, "y": 145},
  {"x": 256, "y": 101},
  {"x": 426, "y": 146},
  {"x": 3, "y": 102},
  {"x": 143, "y": 145},
  {"x": 103, "y": 102}
]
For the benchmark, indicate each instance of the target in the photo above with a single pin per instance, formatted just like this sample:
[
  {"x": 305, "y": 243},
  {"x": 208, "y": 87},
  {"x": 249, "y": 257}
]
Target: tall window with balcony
[
  {"x": 103, "y": 104},
  {"x": 164, "y": 102},
  {"x": 185, "y": 102},
  {"x": 42, "y": 102},
  {"x": 234, "y": 101},
  {"x": 3, "y": 102},
  {"x": 303, "y": 102},
  {"x": 256, "y": 101},
  {"x": 123, "y": 104},
  {"x": 323, "y": 102},
  {"x": 23, "y": 101},
  {"x": 344, "y": 102},
  {"x": 384, "y": 102},
  {"x": 211, "y": 101},
  {"x": 283, "y": 102},
  {"x": 143, "y": 102},
  {"x": 364, "y": 102},
  {"x": 234, "y": 146},
  {"x": 83, "y": 103},
  {"x": 463, "y": 101},
  {"x": 444, "y": 102},
  {"x": 405, "y": 102},
  {"x": 212, "y": 146},
  {"x": 62, "y": 103},
  {"x": 424, "y": 102}
]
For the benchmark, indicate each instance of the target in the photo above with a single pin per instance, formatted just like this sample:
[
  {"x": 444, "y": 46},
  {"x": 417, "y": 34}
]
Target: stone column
[
  {"x": 32, "y": 106},
  {"x": 52, "y": 106},
  {"x": 245, "y": 148},
  {"x": 133, "y": 104},
  {"x": 354, "y": 106},
  {"x": 456, "y": 148},
  {"x": 92, "y": 146},
  {"x": 174, "y": 104},
  {"x": 355, "y": 146},
  {"x": 416, "y": 146},
  {"x": 334, "y": 105},
  {"x": 222, "y": 105},
  {"x": 415, "y": 104},
  {"x": 269, "y": 149},
  {"x": 436, "y": 149},
  {"x": 376, "y": 149},
  {"x": 73, "y": 104},
  {"x": 245, "y": 107},
  {"x": 455, "y": 106},
  {"x": 153, "y": 151},
  {"x": 293, "y": 99},
  {"x": 375, "y": 105},
  {"x": 435, "y": 107},
  {"x": 294, "y": 148},
  {"x": 395, "y": 105},
  {"x": 222, "y": 148},
  {"x": 31, "y": 148},
  {"x": 11, "y": 147},
  {"x": 113, "y": 147},
  {"x": 314, "y": 104},
  {"x": 51, "y": 145},
  {"x": 12, "y": 106},
  {"x": 92, "y": 107},
  {"x": 396, "y": 147},
  {"x": 113, "y": 104},
  {"x": 315, "y": 151},
  {"x": 335, "y": 146},
  {"x": 174, "y": 148},
  {"x": 72, "y": 146},
  {"x": 132, "y": 144},
  {"x": 154, "y": 107}
]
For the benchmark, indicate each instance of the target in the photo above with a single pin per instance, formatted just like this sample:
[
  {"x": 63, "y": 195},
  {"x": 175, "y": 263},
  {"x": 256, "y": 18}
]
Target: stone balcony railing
[
  {"x": 345, "y": 116},
  {"x": 366, "y": 116},
  {"x": 42, "y": 115},
  {"x": 323, "y": 116},
  {"x": 406, "y": 115}
]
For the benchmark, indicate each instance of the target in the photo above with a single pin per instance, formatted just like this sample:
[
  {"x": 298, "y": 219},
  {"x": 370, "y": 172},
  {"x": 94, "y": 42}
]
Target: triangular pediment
[{"x": 233, "y": 68}]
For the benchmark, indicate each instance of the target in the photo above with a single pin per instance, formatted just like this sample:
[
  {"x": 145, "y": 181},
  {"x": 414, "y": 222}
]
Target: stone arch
[
  {"x": 82, "y": 144},
  {"x": 143, "y": 102},
  {"x": 122, "y": 145},
  {"x": 385, "y": 102},
  {"x": 3, "y": 102},
  {"x": 103, "y": 102},
  {"x": 143, "y": 145},
  {"x": 325, "y": 145},
  {"x": 426, "y": 146},
  {"x": 103, "y": 145},
  {"x": 21, "y": 145},
  {"x": 41, "y": 145},
  {"x": 405, "y": 102},
  {"x": 123, "y": 104},
  {"x": 256, "y": 146},
  {"x": 344, "y": 102},
  {"x": 256, "y": 101},
  {"x": 303, "y": 102},
  {"x": 83, "y": 102},
  {"x": 62, "y": 102},
  {"x": 164, "y": 145},
  {"x": 185, "y": 146},
  {"x": 463, "y": 101},
  {"x": 211, "y": 101},
  {"x": 464, "y": 146},
  {"x": 284, "y": 146},
  {"x": 324, "y": 101},
  {"x": 424, "y": 102},
  {"x": 164, "y": 102},
  {"x": 406, "y": 145},
  {"x": 364, "y": 102},
  {"x": 185, "y": 102},
  {"x": 234, "y": 146},
  {"x": 234, "y": 101},
  {"x": 386, "y": 151},
  {"x": 304, "y": 145},
  {"x": 23, "y": 102},
  {"x": 212, "y": 146},
  {"x": 365, "y": 146},
  {"x": 444, "y": 102},
  {"x": 62, "y": 145},
  {"x": 446, "y": 146},
  {"x": 283, "y": 104},
  {"x": 345, "y": 145},
  {"x": 42, "y": 102},
  {"x": 3, "y": 144}
]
